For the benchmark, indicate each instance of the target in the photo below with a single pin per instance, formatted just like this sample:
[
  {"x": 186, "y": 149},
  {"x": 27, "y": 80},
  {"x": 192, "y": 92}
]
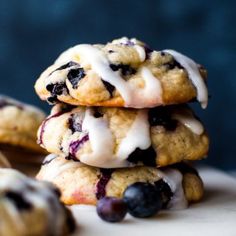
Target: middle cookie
[{"x": 116, "y": 137}]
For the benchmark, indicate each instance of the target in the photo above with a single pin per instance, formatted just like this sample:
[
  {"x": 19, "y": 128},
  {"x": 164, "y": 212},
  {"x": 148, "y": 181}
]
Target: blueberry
[
  {"x": 110, "y": 88},
  {"x": 69, "y": 64},
  {"x": 97, "y": 113},
  {"x": 147, "y": 156},
  {"x": 160, "y": 116},
  {"x": 75, "y": 75},
  {"x": 18, "y": 200},
  {"x": 56, "y": 89},
  {"x": 165, "y": 191},
  {"x": 125, "y": 69},
  {"x": 142, "y": 199},
  {"x": 111, "y": 209},
  {"x": 173, "y": 64}
]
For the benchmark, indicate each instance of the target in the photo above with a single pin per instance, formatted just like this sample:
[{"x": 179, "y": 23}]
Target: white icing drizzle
[
  {"x": 101, "y": 139},
  {"x": 194, "y": 75},
  {"x": 133, "y": 96},
  {"x": 141, "y": 52},
  {"x": 185, "y": 116},
  {"x": 138, "y": 136},
  {"x": 174, "y": 178},
  {"x": 58, "y": 167},
  {"x": 153, "y": 89},
  {"x": 37, "y": 195}
]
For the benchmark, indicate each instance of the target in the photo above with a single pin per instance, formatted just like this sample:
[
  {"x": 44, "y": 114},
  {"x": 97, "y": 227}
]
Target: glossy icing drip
[
  {"x": 102, "y": 140},
  {"x": 185, "y": 116},
  {"x": 174, "y": 179},
  {"x": 138, "y": 136},
  {"x": 194, "y": 75}
]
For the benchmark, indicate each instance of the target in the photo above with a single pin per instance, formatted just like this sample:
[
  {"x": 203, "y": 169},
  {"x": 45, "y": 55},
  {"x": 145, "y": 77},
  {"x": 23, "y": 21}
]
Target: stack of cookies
[{"x": 120, "y": 120}]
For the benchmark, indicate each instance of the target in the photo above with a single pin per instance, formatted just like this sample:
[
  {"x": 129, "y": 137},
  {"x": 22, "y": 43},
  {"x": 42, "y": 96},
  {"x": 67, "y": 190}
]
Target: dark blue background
[{"x": 34, "y": 32}]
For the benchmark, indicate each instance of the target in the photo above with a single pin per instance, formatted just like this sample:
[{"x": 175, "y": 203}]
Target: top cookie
[
  {"x": 123, "y": 73},
  {"x": 19, "y": 123}
]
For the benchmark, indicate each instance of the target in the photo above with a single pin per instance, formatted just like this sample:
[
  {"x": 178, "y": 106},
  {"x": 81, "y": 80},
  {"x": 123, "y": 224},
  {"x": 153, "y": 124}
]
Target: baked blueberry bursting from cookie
[
  {"x": 67, "y": 65},
  {"x": 109, "y": 87},
  {"x": 125, "y": 69},
  {"x": 56, "y": 90},
  {"x": 75, "y": 75},
  {"x": 165, "y": 192},
  {"x": 18, "y": 200},
  {"x": 159, "y": 116},
  {"x": 173, "y": 64},
  {"x": 147, "y": 156}
]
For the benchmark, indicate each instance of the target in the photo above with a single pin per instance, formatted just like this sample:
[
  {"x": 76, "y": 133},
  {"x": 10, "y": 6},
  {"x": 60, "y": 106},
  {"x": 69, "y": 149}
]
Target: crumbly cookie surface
[
  {"x": 122, "y": 73},
  {"x": 19, "y": 123},
  {"x": 81, "y": 184},
  {"x": 115, "y": 137},
  {"x": 29, "y": 207}
]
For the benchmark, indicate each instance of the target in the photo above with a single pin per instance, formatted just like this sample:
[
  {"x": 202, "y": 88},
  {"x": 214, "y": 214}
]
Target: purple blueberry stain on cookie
[
  {"x": 42, "y": 130},
  {"x": 18, "y": 200},
  {"x": 102, "y": 183},
  {"x": 147, "y": 156},
  {"x": 159, "y": 116},
  {"x": 76, "y": 145},
  {"x": 124, "y": 69},
  {"x": 75, "y": 75}
]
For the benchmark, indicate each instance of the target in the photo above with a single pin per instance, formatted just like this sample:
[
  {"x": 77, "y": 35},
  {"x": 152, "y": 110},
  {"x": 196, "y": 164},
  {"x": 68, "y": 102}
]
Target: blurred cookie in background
[
  {"x": 19, "y": 123},
  {"x": 30, "y": 207}
]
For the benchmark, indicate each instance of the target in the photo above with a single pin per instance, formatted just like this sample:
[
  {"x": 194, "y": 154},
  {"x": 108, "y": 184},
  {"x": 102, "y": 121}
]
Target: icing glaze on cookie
[
  {"x": 133, "y": 96},
  {"x": 194, "y": 75}
]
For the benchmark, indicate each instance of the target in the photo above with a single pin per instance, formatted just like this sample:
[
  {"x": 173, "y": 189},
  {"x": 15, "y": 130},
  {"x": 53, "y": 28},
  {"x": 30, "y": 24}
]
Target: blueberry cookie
[
  {"x": 29, "y": 207},
  {"x": 123, "y": 73},
  {"x": 82, "y": 184},
  {"x": 4, "y": 163},
  {"x": 118, "y": 137},
  {"x": 19, "y": 123}
]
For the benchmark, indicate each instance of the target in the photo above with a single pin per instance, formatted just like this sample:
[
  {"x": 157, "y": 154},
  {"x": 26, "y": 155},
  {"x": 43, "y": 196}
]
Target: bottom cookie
[{"x": 81, "y": 184}]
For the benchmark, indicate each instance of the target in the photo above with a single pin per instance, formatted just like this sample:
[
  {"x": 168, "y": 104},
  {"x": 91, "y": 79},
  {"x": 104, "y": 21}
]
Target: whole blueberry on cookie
[{"x": 142, "y": 199}]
